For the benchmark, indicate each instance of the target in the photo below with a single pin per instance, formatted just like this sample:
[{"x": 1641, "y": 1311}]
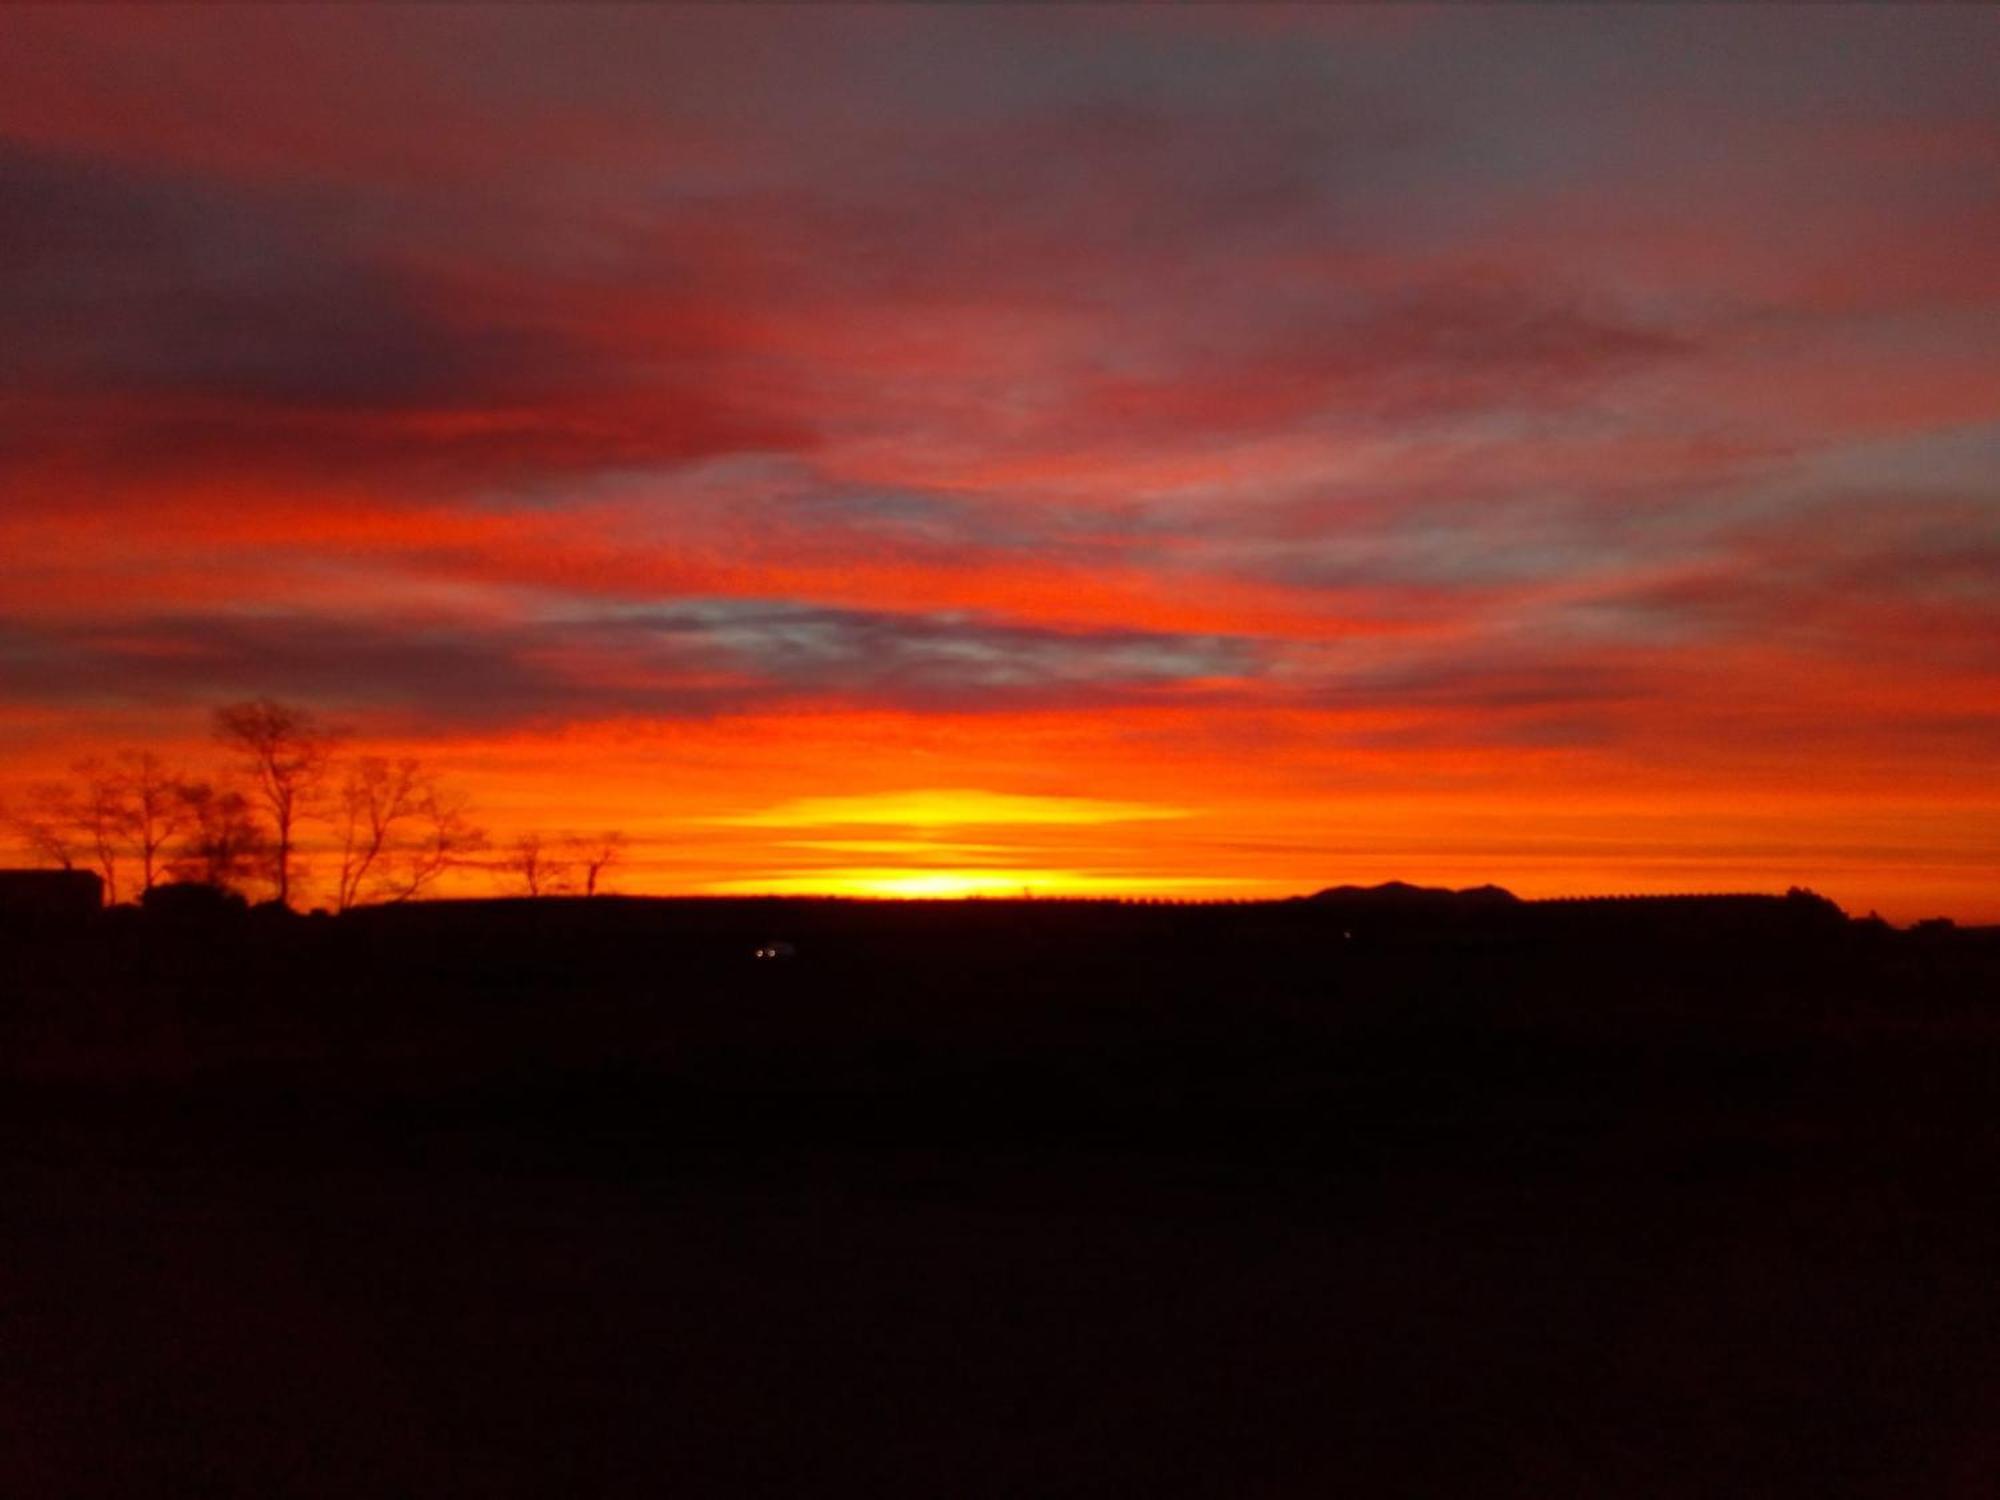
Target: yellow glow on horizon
[
  {"x": 1221, "y": 824},
  {"x": 893, "y": 883}
]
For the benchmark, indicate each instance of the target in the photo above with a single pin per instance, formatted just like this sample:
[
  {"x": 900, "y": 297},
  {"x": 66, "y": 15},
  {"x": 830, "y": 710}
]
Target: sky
[{"x": 896, "y": 450}]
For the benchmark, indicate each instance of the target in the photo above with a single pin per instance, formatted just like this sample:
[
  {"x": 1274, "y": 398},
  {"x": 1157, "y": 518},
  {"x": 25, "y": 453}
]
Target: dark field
[{"x": 996, "y": 1199}]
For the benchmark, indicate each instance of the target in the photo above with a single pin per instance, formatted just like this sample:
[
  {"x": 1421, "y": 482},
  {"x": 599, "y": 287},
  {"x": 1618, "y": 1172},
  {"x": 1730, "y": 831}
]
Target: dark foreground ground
[{"x": 568, "y": 1202}]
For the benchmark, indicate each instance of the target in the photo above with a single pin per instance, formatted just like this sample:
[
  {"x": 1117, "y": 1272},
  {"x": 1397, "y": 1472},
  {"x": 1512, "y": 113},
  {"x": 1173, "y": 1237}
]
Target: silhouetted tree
[
  {"x": 399, "y": 830},
  {"x": 103, "y": 820},
  {"x": 46, "y": 823},
  {"x": 155, "y": 811},
  {"x": 446, "y": 836},
  {"x": 594, "y": 856},
  {"x": 223, "y": 846},
  {"x": 531, "y": 861},
  {"x": 286, "y": 751},
  {"x": 376, "y": 796}
]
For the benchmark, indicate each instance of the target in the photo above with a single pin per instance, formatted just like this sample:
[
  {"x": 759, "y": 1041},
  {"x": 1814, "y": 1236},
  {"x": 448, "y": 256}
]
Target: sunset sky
[{"x": 916, "y": 451}]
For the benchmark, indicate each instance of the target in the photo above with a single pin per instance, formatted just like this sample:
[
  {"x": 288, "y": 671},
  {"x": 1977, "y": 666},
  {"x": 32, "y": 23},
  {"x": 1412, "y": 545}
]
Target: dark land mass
[{"x": 1384, "y": 1193}]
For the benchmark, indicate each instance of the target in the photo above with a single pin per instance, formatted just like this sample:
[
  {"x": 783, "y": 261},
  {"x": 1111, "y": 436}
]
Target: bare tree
[
  {"x": 156, "y": 811},
  {"x": 376, "y": 796},
  {"x": 399, "y": 830},
  {"x": 286, "y": 751},
  {"x": 223, "y": 846},
  {"x": 46, "y": 824},
  {"x": 446, "y": 837},
  {"x": 532, "y": 862},
  {"x": 103, "y": 820},
  {"x": 594, "y": 855}
]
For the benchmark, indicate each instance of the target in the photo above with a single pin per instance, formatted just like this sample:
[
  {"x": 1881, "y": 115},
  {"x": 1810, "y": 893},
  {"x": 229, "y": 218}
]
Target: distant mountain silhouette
[
  {"x": 1401, "y": 894},
  {"x": 1404, "y": 910}
]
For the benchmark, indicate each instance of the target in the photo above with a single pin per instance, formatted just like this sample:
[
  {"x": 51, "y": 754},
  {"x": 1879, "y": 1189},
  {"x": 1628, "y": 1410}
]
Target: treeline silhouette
[{"x": 296, "y": 813}]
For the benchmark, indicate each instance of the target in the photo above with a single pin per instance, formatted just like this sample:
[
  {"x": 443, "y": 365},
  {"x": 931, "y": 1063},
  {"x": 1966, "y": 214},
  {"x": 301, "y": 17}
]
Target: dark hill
[
  {"x": 1661, "y": 1197},
  {"x": 1399, "y": 893}
]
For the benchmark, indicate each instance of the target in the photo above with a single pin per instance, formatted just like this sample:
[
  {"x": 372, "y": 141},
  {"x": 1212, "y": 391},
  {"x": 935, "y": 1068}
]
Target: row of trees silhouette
[{"x": 391, "y": 828}]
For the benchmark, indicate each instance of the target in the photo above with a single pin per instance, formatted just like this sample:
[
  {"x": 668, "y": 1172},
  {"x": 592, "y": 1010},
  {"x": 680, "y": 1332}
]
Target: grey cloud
[
  {"x": 128, "y": 282},
  {"x": 942, "y": 658},
  {"x": 692, "y": 659},
  {"x": 196, "y": 324},
  {"x": 445, "y": 674},
  {"x": 1490, "y": 678}
]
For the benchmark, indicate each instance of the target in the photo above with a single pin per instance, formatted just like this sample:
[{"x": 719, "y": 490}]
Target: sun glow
[
  {"x": 916, "y": 825},
  {"x": 895, "y": 884}
]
